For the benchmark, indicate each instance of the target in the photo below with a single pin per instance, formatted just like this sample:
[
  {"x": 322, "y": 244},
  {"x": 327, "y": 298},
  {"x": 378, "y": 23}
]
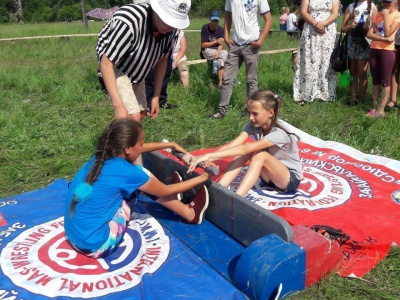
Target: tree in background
[
  {"x": 85, "y": 22},
  {"x": 18, "y": 16},
  {"x": 70, "y": 10}
]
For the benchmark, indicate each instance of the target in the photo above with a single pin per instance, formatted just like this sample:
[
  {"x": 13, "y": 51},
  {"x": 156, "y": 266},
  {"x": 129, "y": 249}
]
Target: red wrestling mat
[{"x": 348, "y": 196}]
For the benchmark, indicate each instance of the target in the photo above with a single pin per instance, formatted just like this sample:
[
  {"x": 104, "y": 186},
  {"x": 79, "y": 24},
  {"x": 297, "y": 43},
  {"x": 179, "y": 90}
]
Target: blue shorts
[{"x": 293, "y": 184}]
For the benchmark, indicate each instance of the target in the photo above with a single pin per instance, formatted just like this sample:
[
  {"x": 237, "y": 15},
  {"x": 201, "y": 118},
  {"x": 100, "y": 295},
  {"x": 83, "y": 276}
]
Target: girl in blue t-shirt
[
  {"x": 274, "y": 156},
  {"x": 96, "y": 214}
]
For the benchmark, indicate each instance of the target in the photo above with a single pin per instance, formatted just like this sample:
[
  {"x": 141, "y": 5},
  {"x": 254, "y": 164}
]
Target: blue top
[{"x": 88, "y": 227}]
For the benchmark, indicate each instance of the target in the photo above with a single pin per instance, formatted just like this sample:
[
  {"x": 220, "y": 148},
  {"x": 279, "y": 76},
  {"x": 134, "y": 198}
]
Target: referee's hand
[
  {"x": 155, "y": 108},
  {"x": 120, "y": 113}
]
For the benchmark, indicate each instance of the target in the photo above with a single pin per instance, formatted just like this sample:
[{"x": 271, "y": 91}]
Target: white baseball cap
[{"x": 173, "y": 12}]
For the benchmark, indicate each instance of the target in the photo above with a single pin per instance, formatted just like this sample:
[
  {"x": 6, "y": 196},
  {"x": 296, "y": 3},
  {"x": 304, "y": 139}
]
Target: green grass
[{"x": 52, "y": 110}]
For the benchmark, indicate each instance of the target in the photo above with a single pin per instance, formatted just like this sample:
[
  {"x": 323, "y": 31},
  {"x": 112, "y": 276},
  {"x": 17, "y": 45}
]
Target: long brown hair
[
  {"x": 118, "y": 135},
  {"x": 270, "y": 100},
  {"x": 353, "y": 13}
]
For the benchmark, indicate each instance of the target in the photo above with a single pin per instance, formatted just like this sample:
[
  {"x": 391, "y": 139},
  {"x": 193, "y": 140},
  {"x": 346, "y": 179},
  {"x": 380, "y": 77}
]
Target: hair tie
[
  {"x": 276, "y": 96},
  {"x": 83, "y": 192}
]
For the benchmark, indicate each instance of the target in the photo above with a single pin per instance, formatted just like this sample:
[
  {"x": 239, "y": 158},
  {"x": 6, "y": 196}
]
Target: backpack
[{"x": 338, "y": 58}]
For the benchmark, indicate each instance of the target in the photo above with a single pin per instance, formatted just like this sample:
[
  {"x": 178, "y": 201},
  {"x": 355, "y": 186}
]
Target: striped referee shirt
[{"x": 128, "y": 41}]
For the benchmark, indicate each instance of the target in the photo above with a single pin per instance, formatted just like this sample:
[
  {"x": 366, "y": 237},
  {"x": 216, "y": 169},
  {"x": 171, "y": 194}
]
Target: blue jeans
[{"x": 293, "y": 184}]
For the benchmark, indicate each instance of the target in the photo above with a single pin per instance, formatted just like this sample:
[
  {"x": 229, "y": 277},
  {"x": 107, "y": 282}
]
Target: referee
[{"x": 137, "y": 38}]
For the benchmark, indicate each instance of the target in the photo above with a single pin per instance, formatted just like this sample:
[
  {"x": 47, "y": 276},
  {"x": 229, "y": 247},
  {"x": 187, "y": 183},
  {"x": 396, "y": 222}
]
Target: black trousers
[{"x": 149, "y": 81}]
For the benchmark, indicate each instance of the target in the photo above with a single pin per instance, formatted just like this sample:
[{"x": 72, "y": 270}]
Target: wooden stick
[
  {"x": 200, "y": 61},
  {"x": 48, "y": 36},
  {"x": 209, "y": 169},
  {"x": 89, "y": 34}
]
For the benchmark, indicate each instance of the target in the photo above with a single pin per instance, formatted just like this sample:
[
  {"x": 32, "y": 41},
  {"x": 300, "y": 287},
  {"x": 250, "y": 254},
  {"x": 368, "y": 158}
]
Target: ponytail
[
  {"x": 277, "y": 109},
  {"x": 118, "y": 135},
  {"x": 353, "y": 13}
]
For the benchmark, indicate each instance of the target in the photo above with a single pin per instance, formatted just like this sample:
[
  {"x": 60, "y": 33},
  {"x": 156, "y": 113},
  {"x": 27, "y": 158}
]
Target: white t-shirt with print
[{"x": 246, "y": 19}]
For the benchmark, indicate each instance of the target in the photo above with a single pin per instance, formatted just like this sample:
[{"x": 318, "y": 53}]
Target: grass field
[{"x": 52, "y": 110}]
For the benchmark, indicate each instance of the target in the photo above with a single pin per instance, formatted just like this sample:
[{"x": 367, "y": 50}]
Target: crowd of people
[
  {"x": 314, "y": 79},
  {"x": 137, "y": 50},
  {"x": 372, "y": 39}
]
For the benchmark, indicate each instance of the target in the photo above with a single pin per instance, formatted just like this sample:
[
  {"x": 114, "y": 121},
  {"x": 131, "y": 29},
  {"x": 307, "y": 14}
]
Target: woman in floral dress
[{"x": 314, "y": 79}]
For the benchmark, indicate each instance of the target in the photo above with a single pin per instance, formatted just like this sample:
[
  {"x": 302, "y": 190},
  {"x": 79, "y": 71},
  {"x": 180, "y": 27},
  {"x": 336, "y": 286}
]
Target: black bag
[
  {"x": 339, "y": 55},
  {"x": 201, "y": 54}
]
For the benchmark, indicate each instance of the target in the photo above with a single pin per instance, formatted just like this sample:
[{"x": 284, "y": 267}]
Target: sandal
[
  {"x": 380, "y": 114},
  {"x": 375, "y": 114},
  {"x": 394, "y": 105},
  {"x": 352, "y": 102}
]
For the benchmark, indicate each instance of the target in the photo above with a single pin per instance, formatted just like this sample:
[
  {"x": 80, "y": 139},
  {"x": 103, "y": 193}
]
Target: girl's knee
[{"x": 261, "y": 156}]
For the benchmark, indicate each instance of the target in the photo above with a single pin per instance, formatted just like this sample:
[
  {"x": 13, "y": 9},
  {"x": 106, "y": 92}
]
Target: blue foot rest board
[
  {"x": 241, "y": 219},
  {"x": 257, "y": 270}
]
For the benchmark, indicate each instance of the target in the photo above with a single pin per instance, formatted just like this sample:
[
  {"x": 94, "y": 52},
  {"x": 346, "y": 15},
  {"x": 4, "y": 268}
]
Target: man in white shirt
[
  {"x": 243, "y": 47},
  {"x": 291, "y": 22}
]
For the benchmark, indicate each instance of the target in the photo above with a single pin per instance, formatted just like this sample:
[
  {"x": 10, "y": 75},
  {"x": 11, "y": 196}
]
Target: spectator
[
  {"x": 395, "y": 74},
  {"x": 339, "y": 13},
  {"x": 358, "y": 46},
  {"x": 314, "y": 79},
  {"x": 127, "y": 53},
  {"x": 212, "y": 39},
  {"x": 178, "y": 55},
  {"x": 244, "y": 46},
  {"x": 300, "y": 24},
  {"x": 382, "y": 55},
  {"x": 283, "y": 18},
  {"x": 179, "y": 59},
  {"x": 163, "y": 94},
  {"x": 292, "y": 24}
]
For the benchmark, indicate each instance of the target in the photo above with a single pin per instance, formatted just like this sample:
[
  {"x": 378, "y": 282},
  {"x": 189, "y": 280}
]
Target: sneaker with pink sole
[
  {"x": 373, "y": 113},
  {"x": 199, "y": 204}
]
